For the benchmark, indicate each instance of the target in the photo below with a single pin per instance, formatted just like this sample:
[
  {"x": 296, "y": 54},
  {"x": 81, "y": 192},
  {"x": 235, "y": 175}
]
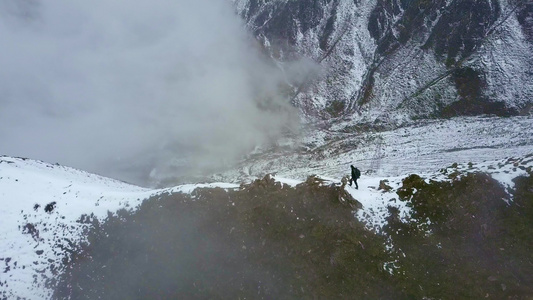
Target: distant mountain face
[{"x": 386, "y": 59}]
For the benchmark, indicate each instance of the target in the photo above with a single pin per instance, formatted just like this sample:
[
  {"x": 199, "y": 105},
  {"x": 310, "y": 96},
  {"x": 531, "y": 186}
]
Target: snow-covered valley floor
[
  {"x": 421, "y": 147},
  {"x": 41, "y": 203}
]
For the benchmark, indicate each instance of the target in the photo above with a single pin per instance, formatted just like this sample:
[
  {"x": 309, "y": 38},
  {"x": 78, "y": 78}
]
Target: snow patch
[{"x": 376, "y": 202}]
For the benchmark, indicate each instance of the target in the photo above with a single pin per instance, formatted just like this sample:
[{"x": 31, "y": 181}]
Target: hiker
[{"x": 355, "y": 175}]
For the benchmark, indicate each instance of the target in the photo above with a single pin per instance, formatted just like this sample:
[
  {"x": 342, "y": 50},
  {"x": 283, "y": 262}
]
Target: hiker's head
[{"x": 352, "y": 166}]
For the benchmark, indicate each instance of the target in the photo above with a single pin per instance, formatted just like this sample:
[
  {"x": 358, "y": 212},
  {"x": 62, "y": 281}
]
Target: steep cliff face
[{"x": 390, "y": 59}]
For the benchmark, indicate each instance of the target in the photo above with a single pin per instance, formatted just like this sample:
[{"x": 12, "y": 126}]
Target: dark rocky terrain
[{"x": 388, "y": 59}]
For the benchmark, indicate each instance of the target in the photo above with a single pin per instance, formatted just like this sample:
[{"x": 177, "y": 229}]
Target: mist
[{"x": 135, "y": 91}]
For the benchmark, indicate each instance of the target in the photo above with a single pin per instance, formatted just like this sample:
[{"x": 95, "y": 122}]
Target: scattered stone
[
  {"x": 344, "y": 181},
  {"x": 384, "y": 186},
  {"x": 50, "y": 207},
  {"x": 30, "y": 229}
]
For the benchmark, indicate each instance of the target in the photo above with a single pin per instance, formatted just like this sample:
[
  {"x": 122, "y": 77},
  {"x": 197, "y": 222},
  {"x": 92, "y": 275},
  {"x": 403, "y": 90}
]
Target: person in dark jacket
[{"x": 355, "y": 175}]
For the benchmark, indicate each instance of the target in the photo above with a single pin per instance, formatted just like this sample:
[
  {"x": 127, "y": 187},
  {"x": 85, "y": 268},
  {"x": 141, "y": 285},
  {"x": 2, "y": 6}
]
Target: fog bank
[{"x": 125, "y": 89}]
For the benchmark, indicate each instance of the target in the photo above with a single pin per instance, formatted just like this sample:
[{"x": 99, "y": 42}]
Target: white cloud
[{"x": 120, "y": 87}]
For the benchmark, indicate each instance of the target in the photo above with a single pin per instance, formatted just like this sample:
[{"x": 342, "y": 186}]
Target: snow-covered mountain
[
  {"x": 349, "y": 65},
  {"x": 388, "y": 59}
]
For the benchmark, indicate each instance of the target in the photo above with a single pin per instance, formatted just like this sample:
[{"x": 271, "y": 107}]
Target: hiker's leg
[{"x": 356, "y": 185}]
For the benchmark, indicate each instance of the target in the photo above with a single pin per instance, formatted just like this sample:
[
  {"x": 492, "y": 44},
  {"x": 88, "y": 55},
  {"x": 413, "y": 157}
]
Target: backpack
[{"x": 357, "y": 173}]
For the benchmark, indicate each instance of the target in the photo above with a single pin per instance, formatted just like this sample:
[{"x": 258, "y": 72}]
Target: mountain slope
[
  {"x": 41, "y": 207},
  {"x": 49, "y": 211},
  {"x": 388, "y": 59},
  {"x": 269, "y": 239}
]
